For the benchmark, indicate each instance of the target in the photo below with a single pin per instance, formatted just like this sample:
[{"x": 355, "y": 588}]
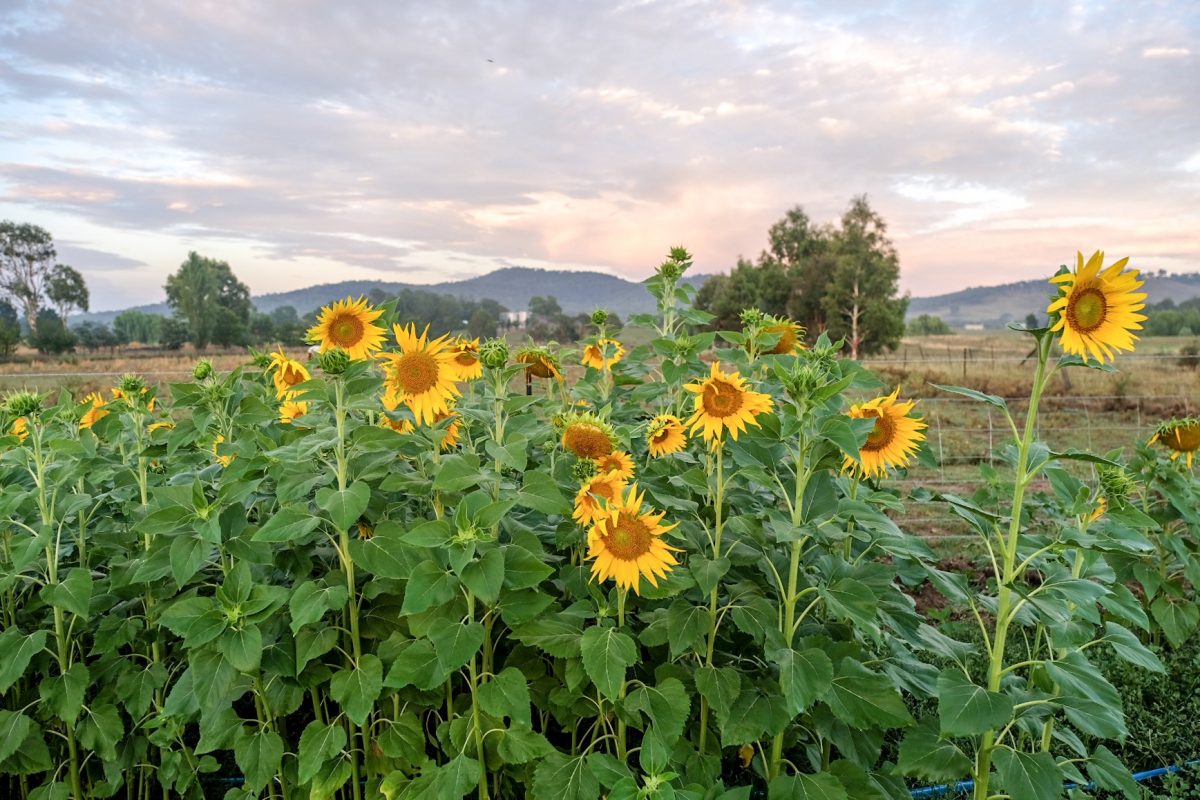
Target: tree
[
  {"x": 544, "y": 306},
  {"x": 10, "y": 328},
  {"x": 928, "y": 325},
  {"x": 289, "y": 329},
  {"x": 1031, "y": 320},
  {"x": 482, "y": 325},
  {"x": 27, "y": 259},
  {"x": 207, "y": 294},
  {"x": 67, "y": 291},
  {"x": 93, "y": 336},
  {"x": 137, "y": 326},
  {"x": 174, "y": 332},
  {"x": 861, "y": 297},
  {"x": 50, "y": 336}
]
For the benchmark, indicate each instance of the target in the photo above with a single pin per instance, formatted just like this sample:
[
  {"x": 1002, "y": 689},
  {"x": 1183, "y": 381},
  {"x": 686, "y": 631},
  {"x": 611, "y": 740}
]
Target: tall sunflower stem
[
  {"x": 622, "y": 751},
  {"x": 713, "y": 616}
]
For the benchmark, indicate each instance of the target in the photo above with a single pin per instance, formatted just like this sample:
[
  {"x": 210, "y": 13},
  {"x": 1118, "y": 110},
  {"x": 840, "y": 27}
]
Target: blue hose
[{"x": 966, "y": 786}]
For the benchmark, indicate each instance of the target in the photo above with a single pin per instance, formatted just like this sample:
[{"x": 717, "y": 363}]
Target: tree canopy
[
  {"x": 31, "y": 276},
  {"x": 210, "y": 298}
]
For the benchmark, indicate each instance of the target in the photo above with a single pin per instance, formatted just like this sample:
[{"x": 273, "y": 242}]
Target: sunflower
[
  {"x": 539, "y": 362},
  {"x": 894, "y": 439},
  {"x": 603, "y": 354},
  {"x": 450, "y": 435},
  {"x": 128, "y": 396},
  {"x": 616, "y": 463},
  {"x": 665, "y": 435},
  {"x": 594, "y": 496},
  {"x": 1098, "y": 511},
  {"x": 421, "y": 375},
  {"x": 790, "y": 336},
  {"x": 348, "y": 324},
  {"x": 223, "y": 460},
  {"x": 724, "y": 403},
  {"x": 20, "y": 428},
  {"x": 290, "y": 410},
  {"x": 1097, "y": 308},
  {"x": 626, "y": 543},
  {"x": 158, "y": 426},
  {"x": 466, "y": 356},
  {"x": 398, "y": 425},
  {"x": 587, "y": 435},
  {"x": 1181, "y": 436},
  {"x": 96, "y": 410},
  {"x": 286, "y": 373}
]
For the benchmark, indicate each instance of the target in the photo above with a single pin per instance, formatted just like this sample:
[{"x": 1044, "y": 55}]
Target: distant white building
[
  {"x": 973, "y": 326},
  {"x": 514, "y": 319}
]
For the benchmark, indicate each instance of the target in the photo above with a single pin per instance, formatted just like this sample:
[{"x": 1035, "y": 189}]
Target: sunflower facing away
[
  {"x": 421, "y": 375},
  {"x": 626, "y": 543},
  {"x": 894, "y": 439},
  {"x": 450, "y": 435},
  {"x": 604, "y": 353},
  {"x": 20, "y": 428},
  {"x": 587, "y": 436},
  {"x": 96, "y": 410},
  {"x": 1181, "y": 436},
  {"x": 1097, "y": 308},
  {"x": 665, "y": 435},
  {"x": 539, "y": 362},
  {"x": 594, "y": 496},
  {"x": 290, "y": 410},
  {"x": 223, "y": 460},
  {"x": 791, "y": 336},
  {"x": 286, "y": 373},
  {"x": 616, "y": 463},
  {"x": 348, "y": 324},
  {"x": 398, "y": 425},
  {"x": 466, "y": 356},
  {"x": 725, "y": 403}
]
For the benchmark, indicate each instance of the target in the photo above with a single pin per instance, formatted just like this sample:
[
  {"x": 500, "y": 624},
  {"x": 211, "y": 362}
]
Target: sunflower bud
[
  {"x": 202, "y": 370},
  {"x": 599, "y": 317},
  {"x": 131, "y": 385},
  {"x": 494, "y": 353},
  {"x": 334, "y": 361},
  {"x": 1116, "y": 485},
  {"x": 22, "y": 404},
  {"x": 583, "y": 470},
  {"x": 260, "y": 360},
  {"x": 751, "y": 317}
]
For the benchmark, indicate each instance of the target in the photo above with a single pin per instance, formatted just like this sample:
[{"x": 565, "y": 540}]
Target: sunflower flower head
[
  {"x": 94, "y": 412},
  {"x": 787, "y": 335},
  {"x": 665, "y": 434},
  {"x": 350, "y": 325},
  {"x": 450, "y": 435},
  {"x": 725, "y": 404},
  {"x": 494, "y": 353},
  {"x": 1116, "y": 485},
  {"x": 286, "y": 373},
  {"x": 602, "y": 354},
  {"x": 616, "y": 463},
  {"x": 203, "y": 370},
  {"x": 1181, "y": 437},
  {"x": 1097, "y": 511},
  {"x": 466, "y": 357},
  {"x": 539, "y": 362},
  {"x": 894, "y": 439},
  {"x": 587, "y": 435},
  {"x": 19, "y": 428},
  {"x": 421, "y": 374},
  {"x": 626, "y": 544},
  {"x": 1097, "y": 308},
  {"x": 291, "y": 410},
  {"x": 594, "y": 496},
  {"x": 22, "y": 403},
  {"x": 334, "y": 361},
  {"x": 224, "y": 459}
]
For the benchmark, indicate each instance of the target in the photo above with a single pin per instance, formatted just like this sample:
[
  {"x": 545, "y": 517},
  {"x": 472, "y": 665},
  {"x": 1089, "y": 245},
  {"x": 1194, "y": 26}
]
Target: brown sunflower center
[
  {"x": 1087, "y": 309},
  {"x": 346, "y": 330},
  {"x": 415, "y": 373},
  {"x": 628, "y": 538},
  {"x": 602, "y": 489},
  {"x": 1185, "y": 438},
  {"x": 465, "y": 358},
  {"x": 587, "y": 441},
  {"x": 881, "y": 435},
  {"x": 721, "y": 399},
  {"x": 787, "y": 339},
  {"x": 291, "y": 376}
]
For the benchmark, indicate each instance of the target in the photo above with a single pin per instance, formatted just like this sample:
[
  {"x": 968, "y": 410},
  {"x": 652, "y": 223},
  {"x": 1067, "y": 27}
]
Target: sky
[{"x": 307, "y": 142}]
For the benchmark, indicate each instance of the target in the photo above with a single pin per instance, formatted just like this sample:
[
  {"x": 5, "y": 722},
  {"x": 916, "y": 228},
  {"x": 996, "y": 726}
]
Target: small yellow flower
[
  {"x": 349, "y": 324},
  {"x": 95, "y": 412},
  {"x": 159, "y": 426},
  {"x": 665, "y": 435},
  {"x": 20, "y": 428},
  {"x": 626, "y": 543},
  {"x": 285, "y": 373},
  {"x": 616, "y": 463},
  {"x": 1097, "y": 308},
  {"x": 1098, "y": 511},
  {"x": 593, "y": 497},
  {"x": 604, "y": 353},
  {"x": 725, "y": 403},
  {"x": 450, "y": 437},
  {"x": 892, "y": 442},
  {"x": 291, "y": 410},
  {"x": 223, "y": 460},
  {"x": 120, "y": 394}
]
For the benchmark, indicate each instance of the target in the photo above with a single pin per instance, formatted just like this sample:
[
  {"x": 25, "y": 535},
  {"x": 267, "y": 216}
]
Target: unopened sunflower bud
[
  {"x": 583, "y": 470},
  {"x": 260, "y": 360},
  {"x": 22, "y": 404},
  {"x": 493, "y": 353},
  {"x": 599, "y": 316},
  {"x": 1116, "y": 485},
  {"x": 131, "y": 385},
  {"x": 751, "y": 317},
  {"x": 334, "y": 361},
  {"x": 202, "y": 370}
]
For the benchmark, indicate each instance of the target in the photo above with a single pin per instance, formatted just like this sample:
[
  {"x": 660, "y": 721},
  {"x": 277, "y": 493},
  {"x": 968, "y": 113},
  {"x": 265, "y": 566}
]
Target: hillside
[
  {"x": 994, "y": 306},
  {"x": 576, "y": 291}
]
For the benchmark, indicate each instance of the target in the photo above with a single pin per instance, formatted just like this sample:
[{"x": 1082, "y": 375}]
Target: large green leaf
[
  {"x": 1178, "y": 620},
  {"x": 506, "y": 695},
  {"x": 63, "y": 694},
  {"x": 753, "y": 716},
  {"x": 540, "y": 492},
  {"x": 457, "y": 472},
  {"x": 243, "y": 647},
  {"x": 804, "y": 675},
  {"x": 520, "y": 745},
  {"x": 559, "y": 777},
  {"x": 456, "y": 644},
  {"x": 73, "y": 593},
  {"x": 429, "y": 585},
  {"x": 965, "y": 709},
  {"x": 485, "y": 575},
  {"x": 1088, "y": 699},
  {"x": 346, "y": 506},
  {"x": 1028, "y": 776},
  {"x": 865, "y": 699},
  {"x": 356, "y": 688},
  {"x": 100, "y": 729},
  {"x": 197, "y": 619},
  {"x": 1130, "y": 648},
  {"x": 523, "y": 569},
  {"x": 990, "y": 399},
  {"x": 687, "y": 625},
  {"x": 258, "y": 755},
  {"x": 720, "y": 686},
  {"x": 289, "y": 524},
  {"x": 607, "y": 652},
  {"x": 16, "y": 650},
  {"x": 667, "y": 704},
  {"x": 311, "y": 600},
  {"x": 925, "y": 754},
  {"x": 1109, "y": 773},
  {"x": 14, "y": 727},
  {"x": 318, "y": 744},
  {"x": 821, "y": 786}
]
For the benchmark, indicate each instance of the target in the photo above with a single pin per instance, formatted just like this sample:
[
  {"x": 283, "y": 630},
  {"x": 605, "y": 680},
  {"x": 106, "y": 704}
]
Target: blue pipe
[{"x": 966, "y": 786}]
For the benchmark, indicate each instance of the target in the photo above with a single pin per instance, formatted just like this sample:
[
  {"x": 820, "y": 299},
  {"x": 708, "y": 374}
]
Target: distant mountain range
[
  {"x": 995, "y": 306},
  {"x": 580, "y": 292}
]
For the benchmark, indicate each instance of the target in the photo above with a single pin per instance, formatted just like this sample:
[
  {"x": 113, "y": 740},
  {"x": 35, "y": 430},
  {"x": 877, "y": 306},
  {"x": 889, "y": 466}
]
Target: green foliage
[
  {"x": 66, "y": 290},
  {"x": 137, "y": 326},
  {"x": 215, "y": 304},
  {"x": 51, "y": 336},
  {"x": 10, "y": 328},
  {"x": 927, "y": 325}
]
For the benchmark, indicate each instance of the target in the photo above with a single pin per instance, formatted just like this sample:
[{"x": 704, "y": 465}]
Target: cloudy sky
[{"x": 308, "y": 141}]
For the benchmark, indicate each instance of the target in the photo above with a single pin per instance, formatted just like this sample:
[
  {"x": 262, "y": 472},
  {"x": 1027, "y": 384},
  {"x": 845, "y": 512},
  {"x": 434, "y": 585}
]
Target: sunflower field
[{"x": 420, "y": 567}]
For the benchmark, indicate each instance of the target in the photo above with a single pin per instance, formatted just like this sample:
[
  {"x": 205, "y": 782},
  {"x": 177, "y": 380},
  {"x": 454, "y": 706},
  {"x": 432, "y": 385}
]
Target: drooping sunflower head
[
  {"x": 587, "y": 435},
  {"x": 665, "y": 434},
  {"x": 626, "y": 543},
  {"x": 539, "y": 362},
  {"x": 348, "y": 324},
  {"x": 1097, "y": 308},
  {"x": 1097, "y": 511},
  {"x": 450, "y": 436},
  {"x": 291, "y": 410},
  {"x": 223, "y": 459},
  {"x": 893, "y": 441},
  {"x": 616, "y": 463},
  {"x": 398, "y": 425},
  {"x": 1181, "y": 437},
  {"x": 725, "y": 403},
  {"x": 421, "y": 375},
  {"x": 286, "y": 373},
  {"x": 594, "y": 496},
  {"x": 466, "y": 357},
  {"x": 604, "y": 353},
  {"x": 788, "y": 336},
  {"x": 95, "y": 410},
  {"x": 19, "y": 428}
]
